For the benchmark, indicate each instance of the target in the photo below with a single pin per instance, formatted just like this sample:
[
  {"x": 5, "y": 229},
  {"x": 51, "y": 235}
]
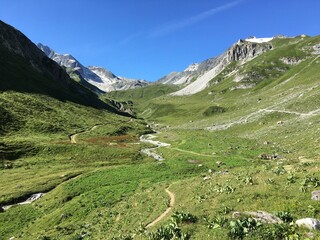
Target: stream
[
  {"x": 37, "y": 196},
  {"x": 151, "y": 152},
  {"x": 30, "y": 199}
]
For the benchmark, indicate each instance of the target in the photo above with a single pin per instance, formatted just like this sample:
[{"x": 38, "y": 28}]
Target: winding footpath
[
  {"x": 258, "y": 114},
  {"x": 148, "y": 138},
  {"x": 73, "y": 137},
  {"x": 165, "y": 213}
]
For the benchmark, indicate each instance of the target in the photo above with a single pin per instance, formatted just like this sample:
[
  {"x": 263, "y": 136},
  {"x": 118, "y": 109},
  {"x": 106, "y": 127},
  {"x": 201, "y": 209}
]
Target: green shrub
[
  {"x": 181, "y": 217},
  {"x": 285, "y": 216},
  {"x": 213, "y": 110},
  {"x": 275, "y": 232},
  {"x": 240, "y": 228},
  {"x": 170, "y": 231}
]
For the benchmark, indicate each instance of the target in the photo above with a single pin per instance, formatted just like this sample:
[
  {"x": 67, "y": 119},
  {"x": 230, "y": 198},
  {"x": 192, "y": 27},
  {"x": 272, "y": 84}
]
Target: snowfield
[{"x": 258, "y": 40}]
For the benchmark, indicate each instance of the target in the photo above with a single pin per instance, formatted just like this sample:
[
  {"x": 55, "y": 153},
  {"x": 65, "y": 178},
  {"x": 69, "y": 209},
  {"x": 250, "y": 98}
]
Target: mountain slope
[
  {"x": 25, "y": 68},
  {"x": 101, "y": 78},
  {"x": 198, "y": 76}
]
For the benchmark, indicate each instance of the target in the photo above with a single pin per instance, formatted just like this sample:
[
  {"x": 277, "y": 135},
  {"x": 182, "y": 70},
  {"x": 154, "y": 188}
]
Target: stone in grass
[
  {"x": 220, "y": 163},
  {"x": 260, "y": 216},
  {"x": 315, "y": 195},
  {"x": 310, "y": 223}
]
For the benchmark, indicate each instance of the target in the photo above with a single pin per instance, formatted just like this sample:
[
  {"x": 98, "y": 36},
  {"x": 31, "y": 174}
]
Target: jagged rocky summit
[
  {"x": 196, "y": 77},
  {"x": 97, "y": 76}
]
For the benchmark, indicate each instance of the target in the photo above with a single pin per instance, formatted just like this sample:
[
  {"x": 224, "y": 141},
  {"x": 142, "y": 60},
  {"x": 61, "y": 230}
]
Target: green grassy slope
[
  {"x": 278, "y": 116},
  {"x": 144, "y": 93},
  {"x": 102, "y": 187}
]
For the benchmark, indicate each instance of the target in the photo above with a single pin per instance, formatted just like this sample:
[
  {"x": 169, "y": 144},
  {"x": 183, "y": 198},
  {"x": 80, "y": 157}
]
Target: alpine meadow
[{"x": 226, "y": 149}]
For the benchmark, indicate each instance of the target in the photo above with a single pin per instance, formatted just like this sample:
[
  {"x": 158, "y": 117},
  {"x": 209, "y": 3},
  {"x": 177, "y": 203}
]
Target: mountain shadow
[{"x": 25, "y": 68}]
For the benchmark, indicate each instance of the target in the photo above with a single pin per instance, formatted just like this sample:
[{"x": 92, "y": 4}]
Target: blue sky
[{"x": 148, "y": 39}]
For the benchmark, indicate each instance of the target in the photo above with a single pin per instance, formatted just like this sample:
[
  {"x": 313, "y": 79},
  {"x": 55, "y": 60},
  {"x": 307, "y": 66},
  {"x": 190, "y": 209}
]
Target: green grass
[{"x": 103, "y": 187}]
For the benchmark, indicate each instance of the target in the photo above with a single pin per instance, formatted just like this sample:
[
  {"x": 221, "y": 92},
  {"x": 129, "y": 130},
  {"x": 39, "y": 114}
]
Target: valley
[{"x": 183, "y": 166}]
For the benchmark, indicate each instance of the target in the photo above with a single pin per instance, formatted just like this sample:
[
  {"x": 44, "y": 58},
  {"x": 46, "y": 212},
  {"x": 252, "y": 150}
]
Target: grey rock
[
  {"x": 310, "y": 223},
  {"x": 261, "y": 216},
  {"x": 316, "y": 49},
  {"x": 123, "y": 106},
  {"x": 291, "y": 60},
  {"x": 315, "y": 195},
  {"x": 243, "y": 50}
]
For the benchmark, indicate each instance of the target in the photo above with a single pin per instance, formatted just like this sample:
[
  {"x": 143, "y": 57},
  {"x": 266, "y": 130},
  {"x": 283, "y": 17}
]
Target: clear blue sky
[{"x": 150, "y": 38}]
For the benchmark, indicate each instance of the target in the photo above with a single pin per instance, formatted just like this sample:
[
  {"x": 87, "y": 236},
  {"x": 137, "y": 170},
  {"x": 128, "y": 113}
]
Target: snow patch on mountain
[{"x": 258, "y": 40}]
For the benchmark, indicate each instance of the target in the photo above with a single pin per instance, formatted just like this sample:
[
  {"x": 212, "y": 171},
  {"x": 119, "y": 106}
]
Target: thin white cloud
[{"x": 172, "y": 27}]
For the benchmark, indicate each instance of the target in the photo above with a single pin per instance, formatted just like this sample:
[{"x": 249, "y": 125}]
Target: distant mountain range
[{"x": 100, "y": 77}]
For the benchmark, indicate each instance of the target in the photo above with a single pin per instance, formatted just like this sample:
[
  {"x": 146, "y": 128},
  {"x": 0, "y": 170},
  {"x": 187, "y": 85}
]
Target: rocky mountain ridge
[
  {"x": 100, "y": 77},
  {"x": 196, "y": 77}
]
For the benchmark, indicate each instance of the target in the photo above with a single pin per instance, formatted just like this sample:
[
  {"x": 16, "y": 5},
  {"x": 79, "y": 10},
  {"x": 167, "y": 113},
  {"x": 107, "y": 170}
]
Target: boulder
[
  {"x": 310, "y": 223},
  {"x": 315, "y": 195},
  {"x": 260, "y": 216}
]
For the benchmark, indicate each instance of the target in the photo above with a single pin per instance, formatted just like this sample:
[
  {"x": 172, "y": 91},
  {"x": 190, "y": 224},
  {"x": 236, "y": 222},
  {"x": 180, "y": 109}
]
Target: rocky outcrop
[
  {"x": 316, "y": 49},
  {"x": 125, "y": 107},
  {"x": 310, "y": 223},
  {"x": 244, "y": 50},
  {"x": 291, "y": 60}
]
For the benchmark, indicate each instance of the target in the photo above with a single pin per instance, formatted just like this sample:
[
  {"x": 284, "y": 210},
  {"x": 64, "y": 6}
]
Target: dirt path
[
  {"x": 73, "y": 137},
  {"x": 258, "y": 114},
  {"x": 191, "y": 152},
  {"x": 165, "y": 213}
]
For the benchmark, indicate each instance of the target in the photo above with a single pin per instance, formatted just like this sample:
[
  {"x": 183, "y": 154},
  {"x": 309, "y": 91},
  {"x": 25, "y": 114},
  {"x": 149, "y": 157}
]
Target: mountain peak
[
  {"x": 45, "y": 49},
  {"x": 100, "y": 77},
  {"x": 192, "y": 67}
]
